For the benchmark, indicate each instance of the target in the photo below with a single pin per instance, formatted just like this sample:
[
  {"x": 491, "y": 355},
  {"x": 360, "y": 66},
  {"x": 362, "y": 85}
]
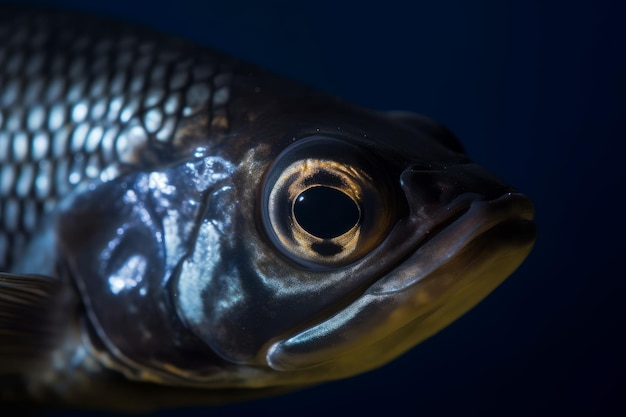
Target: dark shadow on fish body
[{"x": 160, "y": 181}]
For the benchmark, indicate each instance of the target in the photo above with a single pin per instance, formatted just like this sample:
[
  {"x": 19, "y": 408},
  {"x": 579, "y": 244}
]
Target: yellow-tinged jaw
[{"x": 438, "y": 283}]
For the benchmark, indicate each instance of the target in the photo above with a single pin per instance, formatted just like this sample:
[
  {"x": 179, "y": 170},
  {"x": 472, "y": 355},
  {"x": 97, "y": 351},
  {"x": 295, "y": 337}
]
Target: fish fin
[{"x": 31, "y": 320}]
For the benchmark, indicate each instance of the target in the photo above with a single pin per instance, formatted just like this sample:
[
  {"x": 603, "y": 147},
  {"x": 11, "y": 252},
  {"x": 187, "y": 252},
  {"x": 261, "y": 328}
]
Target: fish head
[
  {"x": 313, "y": 241},
  {"x": 356, "y": 234}
]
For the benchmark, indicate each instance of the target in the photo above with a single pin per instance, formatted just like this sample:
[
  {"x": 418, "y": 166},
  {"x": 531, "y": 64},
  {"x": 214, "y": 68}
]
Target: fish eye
[
  {"x": 338, "y": 211},
  {"x": 326, "y": 202}
]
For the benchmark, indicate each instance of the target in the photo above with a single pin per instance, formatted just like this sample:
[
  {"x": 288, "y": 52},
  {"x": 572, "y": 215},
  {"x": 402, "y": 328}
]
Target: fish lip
[
  {"x": 467, "y": 222},
  {"x": 471, "y": 218}
]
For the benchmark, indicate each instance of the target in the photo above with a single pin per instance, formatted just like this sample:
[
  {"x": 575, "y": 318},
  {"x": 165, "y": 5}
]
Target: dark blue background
[{"x": 536, "y": 91}]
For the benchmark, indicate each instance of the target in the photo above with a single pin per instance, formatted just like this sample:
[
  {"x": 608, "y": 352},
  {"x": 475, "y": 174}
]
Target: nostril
[{"x": 424, "y": 188}]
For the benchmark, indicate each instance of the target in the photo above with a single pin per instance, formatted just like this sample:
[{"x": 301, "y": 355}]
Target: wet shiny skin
[{"x": 172, "y": 214}]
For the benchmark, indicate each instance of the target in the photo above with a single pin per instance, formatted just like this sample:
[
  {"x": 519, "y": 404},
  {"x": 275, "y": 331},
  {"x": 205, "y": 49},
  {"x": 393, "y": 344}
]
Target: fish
[{"x": 178, "y": 227}]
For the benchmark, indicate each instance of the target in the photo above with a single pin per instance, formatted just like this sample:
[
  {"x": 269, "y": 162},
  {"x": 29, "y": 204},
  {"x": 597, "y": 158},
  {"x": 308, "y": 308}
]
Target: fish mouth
[{"x": 480, "y": 244}]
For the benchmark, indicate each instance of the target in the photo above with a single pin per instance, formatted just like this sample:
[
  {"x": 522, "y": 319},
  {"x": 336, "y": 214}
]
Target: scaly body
[{"x": 177, "y": 227}]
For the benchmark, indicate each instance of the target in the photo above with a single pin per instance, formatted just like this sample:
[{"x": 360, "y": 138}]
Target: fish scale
[
  {"x": 64, "y": 118},
  {"x": 168, "y": 228}
]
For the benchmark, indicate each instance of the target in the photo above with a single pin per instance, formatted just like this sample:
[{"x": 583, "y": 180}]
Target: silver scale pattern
[{"x": 73, "y": 103}]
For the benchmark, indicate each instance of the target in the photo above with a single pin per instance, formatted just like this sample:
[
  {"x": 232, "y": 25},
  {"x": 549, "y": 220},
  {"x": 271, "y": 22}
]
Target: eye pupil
[{"x": 325, "y": 212}]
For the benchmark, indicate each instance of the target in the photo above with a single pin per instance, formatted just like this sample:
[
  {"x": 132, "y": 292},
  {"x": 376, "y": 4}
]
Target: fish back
[{"x": 82, "y": 100}]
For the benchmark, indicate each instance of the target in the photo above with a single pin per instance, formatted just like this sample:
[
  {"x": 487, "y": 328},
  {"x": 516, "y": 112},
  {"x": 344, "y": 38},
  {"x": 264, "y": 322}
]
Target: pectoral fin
[{"x": 31, "y": 320}]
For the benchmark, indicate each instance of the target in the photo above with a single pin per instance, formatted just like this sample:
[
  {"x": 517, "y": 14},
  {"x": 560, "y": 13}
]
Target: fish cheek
[
  {"x": 218, "y": 296},
  {"x": 209, "y": 286},
  {"x": 110, "y": 247},
  {"x": 123, "y": 242}
]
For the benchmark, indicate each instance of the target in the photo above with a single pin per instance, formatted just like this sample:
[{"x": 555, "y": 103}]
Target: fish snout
[
  {"x": 429, "y": 188},
  {"x": 469, "y": 232}
]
